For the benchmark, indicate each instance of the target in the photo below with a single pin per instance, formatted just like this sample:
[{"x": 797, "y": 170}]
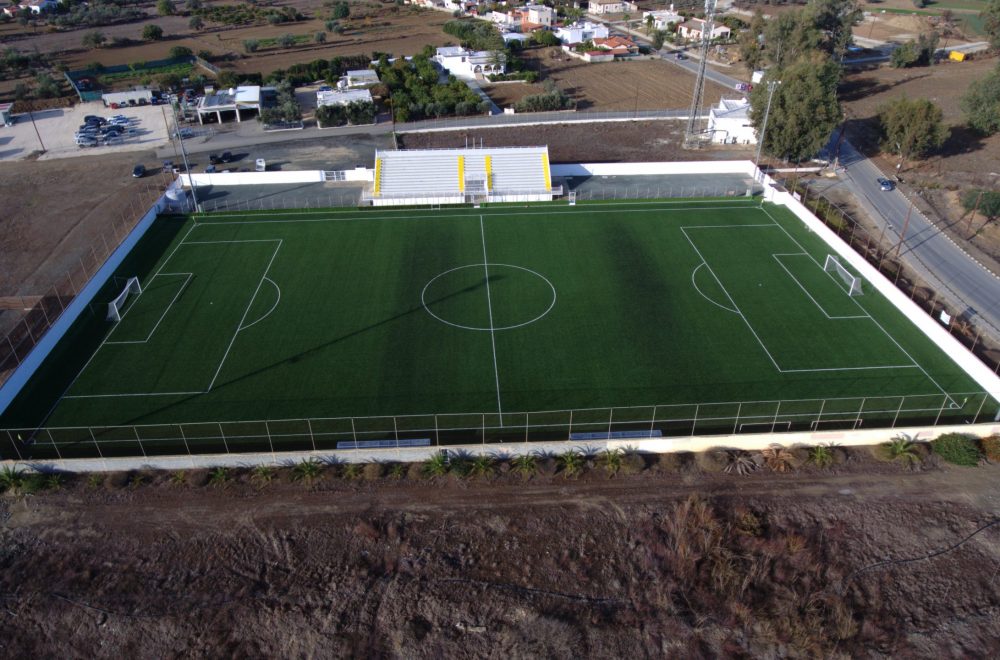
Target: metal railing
[{"x": 448, "y": 429}]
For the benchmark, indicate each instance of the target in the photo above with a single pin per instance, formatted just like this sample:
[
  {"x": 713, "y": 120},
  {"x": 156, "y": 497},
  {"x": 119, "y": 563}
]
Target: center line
[{"x": 489, "y": 305}]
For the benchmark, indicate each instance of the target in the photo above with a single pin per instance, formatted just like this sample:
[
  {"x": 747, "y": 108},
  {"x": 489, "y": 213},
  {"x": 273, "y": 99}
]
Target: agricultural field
[{"x": 641, "y": 85}]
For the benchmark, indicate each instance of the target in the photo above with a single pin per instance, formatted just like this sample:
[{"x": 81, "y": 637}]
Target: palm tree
[
  {"x": 821, "y": 455},
  {"x": 649, "y": 24},
  {"x": 482, "y": 466},
  {"x": 571, "y": 463},
  {"x": 437, "y": 465},
  {"x": 218, "y": 477},
  {"x": 307, "y": 471},
  {"x": 11, "y": 479},
  {"x": 525, "y": 465},
  {"x": 612, "y": 460},
  {"x": 902, "y": 449}
]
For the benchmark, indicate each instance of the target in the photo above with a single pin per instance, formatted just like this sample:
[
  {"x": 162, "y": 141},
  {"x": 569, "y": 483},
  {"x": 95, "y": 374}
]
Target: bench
[
  {"x": 389, "y": 443},
  {"x": 616, "y": 435}
]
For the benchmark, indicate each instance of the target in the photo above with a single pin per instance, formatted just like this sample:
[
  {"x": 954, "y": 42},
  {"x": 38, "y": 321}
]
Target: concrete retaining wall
[{"x": 252, "y": 178}]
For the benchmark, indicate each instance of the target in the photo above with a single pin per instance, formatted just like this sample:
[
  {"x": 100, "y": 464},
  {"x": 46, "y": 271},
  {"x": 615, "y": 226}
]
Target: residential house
[
  {"x": 534, "y": 17},
  {"x": 599, "y": 7},
  {"x": 40, "y": 6},
  {"x": 359, "y": 78},
  {"x": 694, "y": 29},
  {"x": 469, "y": 64},
  {"x": 729, "y": 122},
  {"x": 663, "y": 18},
  {"x": 581, "y": 32},
  {"x": 342, "y": 96},
  {"x": 506, "y": 22}
]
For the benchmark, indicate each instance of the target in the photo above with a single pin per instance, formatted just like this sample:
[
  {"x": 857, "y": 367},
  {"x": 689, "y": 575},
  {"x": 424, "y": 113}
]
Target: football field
[{"x": 301, "y": 330}]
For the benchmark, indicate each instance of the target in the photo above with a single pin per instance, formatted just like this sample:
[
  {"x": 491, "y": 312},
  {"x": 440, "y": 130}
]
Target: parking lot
[{"x": 56, "y": 128}]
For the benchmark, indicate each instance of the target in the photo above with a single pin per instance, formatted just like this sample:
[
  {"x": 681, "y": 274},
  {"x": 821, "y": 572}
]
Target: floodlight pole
[
  {"x": 771, "y": 86},
  {"x": 187, "y": 168}
]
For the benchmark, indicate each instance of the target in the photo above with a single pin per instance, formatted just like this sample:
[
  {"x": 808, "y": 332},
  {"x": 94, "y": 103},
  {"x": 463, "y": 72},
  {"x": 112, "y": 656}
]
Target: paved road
[{"x": 972, "y": 288}]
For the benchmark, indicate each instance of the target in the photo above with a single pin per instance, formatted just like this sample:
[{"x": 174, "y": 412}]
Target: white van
[{"x": 261, "y": 165}]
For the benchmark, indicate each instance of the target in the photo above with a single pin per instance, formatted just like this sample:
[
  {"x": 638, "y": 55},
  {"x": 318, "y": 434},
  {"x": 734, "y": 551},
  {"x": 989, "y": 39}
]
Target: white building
[
  {"x": 515, "y": 36},
  {"x": 695, "y": 28},
  {"x": 582, "y": 31},
  {"x": 504, "y": 21},
  {"x": 357, "y": 78},
  {"x": 537, "y": 15},
  {"x": 234, "y": 99},
  {"x": 342, "y": 96},
  {"x": 663, "y": 18},
  {"x": 729, "y": 122},
  {"x": 599, "y": 7},
  {"x": 39, "y": 6},
  {"x": 469, "y": 64}
]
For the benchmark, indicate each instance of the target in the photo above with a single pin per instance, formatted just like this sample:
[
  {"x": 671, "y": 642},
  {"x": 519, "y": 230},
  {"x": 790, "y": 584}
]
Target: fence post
[
  {"x": 570, "y": 425},
  {"x": 354, "y": 433},
  {"x": 395, "y": 430},
  {"x": 18, "y": 451},
  {"x": 527, "y": 419},
  {"x": 902, "y": 400},
  {"x": 223, "y": 434},
  {"x": 944, "y": 400},
  {"x": 774, "y": 421},
  {"x": 135, "y": 430},
  {"x": 13, "y": 351},
  {"x": 857, "y": 419},
  {"x": 981, "y": 405},
  {"x": 736, "y": 422},
  {"x": 180, "y": 428},
  {"x": 312, "y": 438},
  {"x": 437, "y": 432},
  {"x": 267, "y": 429},
  {"x": 97, "y": 446},
  {"x": 652, "y": 422},
  {"x": 53, "y": 442},
  {"x": 694, "y": 422},
  {"x": 484, "y": 428}
]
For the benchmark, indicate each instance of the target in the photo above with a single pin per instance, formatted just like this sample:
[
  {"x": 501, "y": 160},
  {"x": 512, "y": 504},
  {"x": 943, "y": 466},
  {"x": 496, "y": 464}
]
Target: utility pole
[
  {"x": 692, "y": 137},
  {"x": 771, "y": 86},
  {"x": 906, "y": 225},
  {"x": 31, "y": 116},
  {"x": 187, "y": 168}
]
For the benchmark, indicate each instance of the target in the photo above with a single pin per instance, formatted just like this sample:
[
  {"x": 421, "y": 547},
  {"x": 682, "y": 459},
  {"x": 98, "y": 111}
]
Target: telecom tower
[{"x": 693, "y": 136}]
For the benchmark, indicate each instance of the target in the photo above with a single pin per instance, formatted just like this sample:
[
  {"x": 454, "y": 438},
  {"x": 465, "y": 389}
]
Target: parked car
[
  {"x": 168, "y": 167},
  {"x": 86, "y": 142},
  {"x": 261, "y": 165},
  {"x": 139, "y": 171},
  {"x": 184, "y": 133},
  {"x": 681, "y": 56},
  {"x": 227, "y": 157},
  {"x": 885, "y": 184},
  {"x": 210, "y": 169}
]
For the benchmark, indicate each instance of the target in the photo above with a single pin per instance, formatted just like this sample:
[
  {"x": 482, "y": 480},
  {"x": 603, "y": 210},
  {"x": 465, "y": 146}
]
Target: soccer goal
[
  {"x": 853, "y": 283},
  {"x": 115, "y": 306}
]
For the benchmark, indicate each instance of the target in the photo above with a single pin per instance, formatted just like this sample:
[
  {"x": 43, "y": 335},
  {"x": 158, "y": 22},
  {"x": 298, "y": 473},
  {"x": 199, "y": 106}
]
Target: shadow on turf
[{"x": 296, "y": 358}]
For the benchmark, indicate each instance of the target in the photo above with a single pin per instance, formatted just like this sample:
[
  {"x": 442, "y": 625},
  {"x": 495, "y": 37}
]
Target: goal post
[
  {"x": 832, "y": 265},
  {"x": 116, "y": 305}
]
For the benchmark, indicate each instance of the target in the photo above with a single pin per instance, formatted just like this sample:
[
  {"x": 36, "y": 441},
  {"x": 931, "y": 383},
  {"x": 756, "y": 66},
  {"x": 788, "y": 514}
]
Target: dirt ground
[
  {"x": 966, "y": 160},
  {"x": 674, "y": 561},
  {"x": 642, "y": 141},
  {"x": 55, "y": 210},
  {"x": 642, "y": 85},
  {"x": 508, "y": 93}
]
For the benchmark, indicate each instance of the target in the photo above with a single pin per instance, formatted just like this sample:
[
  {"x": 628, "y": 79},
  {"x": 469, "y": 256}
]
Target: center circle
[{"x": 488, "y": 297}]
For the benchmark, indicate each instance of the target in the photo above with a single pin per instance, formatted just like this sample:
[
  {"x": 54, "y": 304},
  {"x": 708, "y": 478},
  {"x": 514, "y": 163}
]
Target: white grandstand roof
[{"x": 497, "y": 171}]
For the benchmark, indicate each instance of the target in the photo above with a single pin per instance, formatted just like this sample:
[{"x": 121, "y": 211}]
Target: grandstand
[{"x": 457, "y": 176}]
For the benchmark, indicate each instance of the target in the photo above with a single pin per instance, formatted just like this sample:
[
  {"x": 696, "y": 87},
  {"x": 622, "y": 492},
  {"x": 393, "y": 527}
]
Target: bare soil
[
  {"x": 674, "y": 561},
  {"x": 620, "y": 85},
  {"x": 966, "y": 161},
  {"x": 55, "y": 210},
  {"x": 507, "y": 94},
  {"x": 643, "y": 141}
]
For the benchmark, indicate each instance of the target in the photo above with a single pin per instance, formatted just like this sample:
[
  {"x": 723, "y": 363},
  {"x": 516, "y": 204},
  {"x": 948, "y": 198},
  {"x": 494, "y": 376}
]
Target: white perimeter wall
[{"x": 270, "y": 178}]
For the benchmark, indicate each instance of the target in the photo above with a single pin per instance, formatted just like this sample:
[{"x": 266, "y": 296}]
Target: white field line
[
  {"x": 162, "y": 316},
  {"x": 91, "y": 359},
  {"x": 805, "y": 291},
  {"x": 108, "y": 396},
  {"x": 735, "y": 306},
  {"x": 273, "y": 307},
  {"x": 879, "y": 325},
  {"x": 489, "y": 304},
  {"x": 245, "y": 312},
  {"x": 695, "y": 285}
]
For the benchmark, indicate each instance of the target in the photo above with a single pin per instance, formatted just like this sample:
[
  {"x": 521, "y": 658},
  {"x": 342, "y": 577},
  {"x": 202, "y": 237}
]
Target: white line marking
[
  {"x": 102, "y": 396},
  {"x": 695, "y": 285},
  {"x": 162, "y": 316},
  {"x": 805, "y": 291},
  {"x": 245, "y": 312},
  {"x": 855, "y": 301},
  {"x": 273, "y": 307},
  {"x": 489, "y": 304}
]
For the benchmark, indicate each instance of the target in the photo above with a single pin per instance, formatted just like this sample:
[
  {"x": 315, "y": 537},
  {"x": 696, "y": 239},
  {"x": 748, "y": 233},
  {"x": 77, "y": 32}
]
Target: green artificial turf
[{"x": 718, "y": 313}]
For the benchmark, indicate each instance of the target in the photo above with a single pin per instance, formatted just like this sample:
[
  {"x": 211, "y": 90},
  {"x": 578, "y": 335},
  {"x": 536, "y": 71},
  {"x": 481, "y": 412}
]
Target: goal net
[
  {"x": 853, "y": 283},
  {"x": 115, "y": 306}
]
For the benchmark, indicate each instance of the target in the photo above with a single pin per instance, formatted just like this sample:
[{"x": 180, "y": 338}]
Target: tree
[
  {"x": 341, "y": 10},
  {"x": 991, "y": 22},
  {"x": 251, "y": 45},
  {"x": 834, "y": 19},
  {"x": 286, "y": 40},
  {"x": 981, "y": 104},
  {"x": 180, "y": 51},
  {"x": 650, "y": 20},
  {"x": 94, "y": 39},
  {"x": 165, "y": 7},
  {"x": 789, "y": 36},
  {"x": 658, "y": 37},
  {"x": 911, "y": 128},
  {"x": 750, "y": 42},
  {"x": 915, "y": 53},
  {"x": 196, "y": 23},
  {"x": 320, "y": 37},
  {"x": 805, "y": 108},
  {"x": 152, "y": 32},
  {"x": 985, "y": 202},
  {"x": 193, "y": 4}
]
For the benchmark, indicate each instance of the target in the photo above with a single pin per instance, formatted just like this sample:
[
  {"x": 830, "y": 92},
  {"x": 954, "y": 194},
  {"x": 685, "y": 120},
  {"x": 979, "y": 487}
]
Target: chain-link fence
[{"x": 394, "y": 431}]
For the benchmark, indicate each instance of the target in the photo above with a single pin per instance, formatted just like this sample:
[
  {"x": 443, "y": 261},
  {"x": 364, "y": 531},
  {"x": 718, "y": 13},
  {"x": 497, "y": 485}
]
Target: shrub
[
  {"x": 482, "y": 466},
  {"x": 991, "y": 448},
  {"x": 262, "y": 474},
  {"x": 373, "y": 470},
  {"x": 525, "y": 465},
  {"x": 165, "y": 8},
  {"x": 902, "y": 449},
  {"x": 180, "y": 51},
  {"x": 436, "y": 465},
  {"x": 779, "y": 459},
  {"x": 94, "y": 39},
  {"x": 571, "y": 463},
  {"x": 286, "y": 40},
  {"x": 611, "y": 460},
  {"x": 11, "y": 479},
  {"x": 957, "y": 449},
  {"x": 821, "y": 456},
  {"x": 251, "y": 45},
  {"x": 397, "y": 470},
  {"x": 196, "y": 23},
  {"x": 351, "y": 471},
  {"x": 307, "y": 471},
  {"x": 217, "y": 477},
  {"x": 740, "y": 463},
  {"x": 152, "y": 32},
  {"x": 178, "y": 478},
  {"x": 320, "y": 37}
]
